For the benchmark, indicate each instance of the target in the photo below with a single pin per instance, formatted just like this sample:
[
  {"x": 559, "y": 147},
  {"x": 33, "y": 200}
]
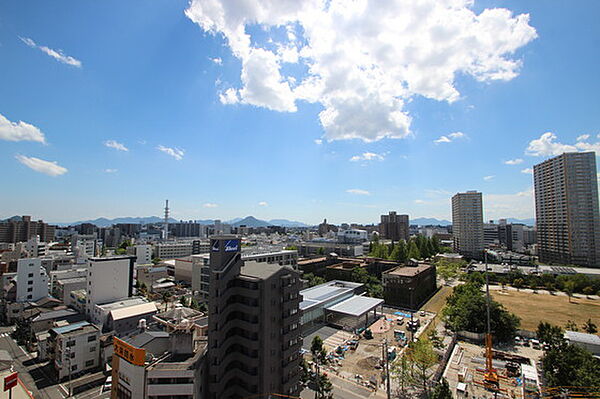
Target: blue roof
[{"x": 70, "y": 327}]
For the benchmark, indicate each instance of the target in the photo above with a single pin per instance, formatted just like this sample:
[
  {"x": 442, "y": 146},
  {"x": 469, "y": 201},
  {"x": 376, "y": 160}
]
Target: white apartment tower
[
  {"x": 566, "y": 207},
  {"x": 108, "y": 280},
  {"x": 32, "y": 280},
  {"x": 467, "y": 224}
]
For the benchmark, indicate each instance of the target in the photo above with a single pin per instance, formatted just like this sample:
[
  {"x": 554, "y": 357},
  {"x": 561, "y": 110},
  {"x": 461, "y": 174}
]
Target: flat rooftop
[
  {"x": 324, "y": 292},
  {"x": 132, "y": 311},
  {"x": 355, "y": 306},
  {"x": 408, "y": 271},
  {"x": 123, "y": 303}
]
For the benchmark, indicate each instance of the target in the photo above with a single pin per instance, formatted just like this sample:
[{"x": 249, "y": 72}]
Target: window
[
  {"x": 29, "y": 296},
  {"x": 92, "y": 349},
  {"x": 91, "y": 338},
  {"x": 30, "y": 275},
  {"x": 73, "y": 368},
  {"x": 30, "y": 282},
  {"x": 89, "y": 363},
  {"x": 29, "y": 289}
]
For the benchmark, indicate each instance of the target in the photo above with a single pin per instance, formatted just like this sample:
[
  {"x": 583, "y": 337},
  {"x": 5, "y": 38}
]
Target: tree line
[{"x": 418, "y": 247}]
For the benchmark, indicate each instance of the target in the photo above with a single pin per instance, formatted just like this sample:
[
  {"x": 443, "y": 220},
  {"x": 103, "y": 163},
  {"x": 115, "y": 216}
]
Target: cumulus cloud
[
  {"x": 360, "y": 61},
  {"x": 230, "y": 96},
  {"x": 263, "y": 203},
  {"x": 50, "y": 168},
  {"x": 488, "y": 178},
  {"x": 420, "y": 202},
  {"x": 19, "y": 131},
  {"x": 368, "y": 156},
  {"x": 514, "y": 161},
  {"x": 358, "y": 191},
  {"x": 547, "y": 145},
  {"x": 56, "y": 54},
  {"x": 111, "y": 170},
  {"x": 318, "y": 141},
  {"x": 217, "y": 60},
  {"x": 450, "y": 138},
  {"x": 116, "y": 145},
  {"x": 174, "y": 152},
  {"x": 527, "y": 171},
  {"x": 210, "y": 205}
]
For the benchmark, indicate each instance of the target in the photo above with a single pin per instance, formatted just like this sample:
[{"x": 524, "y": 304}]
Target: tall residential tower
[
  {"x": 566, "y": 207},
  {"x": 394, "y": 227},
  {"x": 467, "y": 224}
]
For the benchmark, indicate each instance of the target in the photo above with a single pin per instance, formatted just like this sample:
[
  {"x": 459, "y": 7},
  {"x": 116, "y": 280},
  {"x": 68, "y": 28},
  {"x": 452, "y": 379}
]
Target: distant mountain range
[
  {"x": 430, "y": 222},
  {"x": 527, "y": 222}
]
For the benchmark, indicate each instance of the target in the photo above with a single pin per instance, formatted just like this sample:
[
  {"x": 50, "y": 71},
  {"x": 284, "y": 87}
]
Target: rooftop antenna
[{"x": 166, "y": 228}]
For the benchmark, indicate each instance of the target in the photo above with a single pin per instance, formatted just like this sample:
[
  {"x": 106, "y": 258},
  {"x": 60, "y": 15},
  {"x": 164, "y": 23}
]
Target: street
[{"x": 34, "y": 375}]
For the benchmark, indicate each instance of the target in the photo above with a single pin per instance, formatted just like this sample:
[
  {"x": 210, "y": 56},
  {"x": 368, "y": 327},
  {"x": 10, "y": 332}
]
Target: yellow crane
[{"x": 490, "y": 377}]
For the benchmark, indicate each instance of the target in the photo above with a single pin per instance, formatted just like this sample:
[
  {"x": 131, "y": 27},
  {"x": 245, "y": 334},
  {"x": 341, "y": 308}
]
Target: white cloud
[
  {"x": 516, "y": 161},
  {"x": 263, "y": 203},
  {"x": 450, "y": 138},
  {"x": 368, "y": 156},
  {"x": 358, "y": 191},
  {"x": 528, "y": 171},
  {"x": 174, "y": 152},
  {"x": 363, "y": 61},
  {"x": 111, "y": 170},
  {"x": 210, "y": 205},
  {"x": 50, "y": 168},
  {"x": 19, "y": 131},
  {"x": 229, "y": 97},
  {"x": 217, "y": 60},
  {"x": 420, "y": 201},
  {"x": 547, "y": 145},
  {"x": 116, "y": 145},
  {"x": 56, "y": 54},
  {"x": 318, "y": 141},
  {"x": 488, "y": 178},
  {"x": 518, "y": 205}
]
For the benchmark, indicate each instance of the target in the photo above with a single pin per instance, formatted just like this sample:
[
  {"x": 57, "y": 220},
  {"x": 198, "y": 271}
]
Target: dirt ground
[{"x": 555, "y": 309}]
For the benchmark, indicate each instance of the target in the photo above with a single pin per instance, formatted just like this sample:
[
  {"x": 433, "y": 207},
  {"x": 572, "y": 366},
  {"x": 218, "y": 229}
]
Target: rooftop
[
  {"x": 123, "y": 303},
  {"x": 132, "y": 311},
  {"x": 260, "y": 270},
  {"x": 591, "y": 339},
  {"x": 325, "y": 292},
  {"x": 408, "y": 271},
  {"x": 83, "y": 327},
  {"x": 356, "y": 305}
]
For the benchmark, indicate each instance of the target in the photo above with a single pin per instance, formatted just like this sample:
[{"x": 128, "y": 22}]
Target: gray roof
[
  {"x": 260, "y": 270},
  {"x": 356, "y": 305},
  {"x": 56, "y": 314},
  {"x": 144, "y": 338},
  {"x": 590, "y": 339}
]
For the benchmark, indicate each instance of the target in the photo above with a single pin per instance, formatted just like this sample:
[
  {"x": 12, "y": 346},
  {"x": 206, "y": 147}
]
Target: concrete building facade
[
  {"x": 467, "y": 224},
  {"x": 108, "y": 280},
  {"x": 566, "y": 206},
  {"x": 254, "y": 325},
  {"x": 32, "y": 280}
]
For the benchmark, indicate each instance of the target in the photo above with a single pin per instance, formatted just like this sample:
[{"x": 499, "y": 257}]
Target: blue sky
[{"x": 307, "y": 112}]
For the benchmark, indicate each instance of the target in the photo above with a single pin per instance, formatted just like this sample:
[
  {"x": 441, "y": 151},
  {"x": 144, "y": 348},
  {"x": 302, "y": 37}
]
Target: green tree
[
  {"x": 435, "y": 339},
  {"x": 313, "y": 280},
  {"x": 321, "y": 251},
  {"x": 156, "y": 261},
  {"x": 324, "y": 387},
  {"x": 518, "y": 283},
  {"x": 360, "y": 275},
  {"x": 422, "y": 357},
  {"x": 589, "y": 290},
  {"x": 318, "y": 351},
  {"x": 413, "y": 250},
  {"x": 291, "y": 248},
  {"x": 590, "y": 327},
  {"x": 435, "y": 242},
  {"x": 441, "y": 391},
  {"x": 570, "y": 365},
  {"x": 571, "y": 326},
  {"x": 550, "y": 334},
  {"x": 401, "y": 371},
  {"x": 304, "y": 372}
]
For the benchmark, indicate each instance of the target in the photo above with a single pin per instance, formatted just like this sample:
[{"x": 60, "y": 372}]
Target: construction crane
[{"x": 490, "y": 377}]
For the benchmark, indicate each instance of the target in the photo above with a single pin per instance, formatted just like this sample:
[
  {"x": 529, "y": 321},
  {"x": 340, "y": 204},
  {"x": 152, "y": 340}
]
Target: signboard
[
  {"x": 11, "y": 381},
  {"x": 232, "y": 245},
  {"x": 128, "y": 352},
  {"x": 214, "y": 245}
]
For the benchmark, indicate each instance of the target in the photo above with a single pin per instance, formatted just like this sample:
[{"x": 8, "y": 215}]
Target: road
[
  {"x": 344, "y": 389},
  {"x": 33, "y": 373}
]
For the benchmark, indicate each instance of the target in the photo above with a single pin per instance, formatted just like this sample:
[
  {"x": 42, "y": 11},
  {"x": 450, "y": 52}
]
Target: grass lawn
[
  {"x": 533, "y": 308},
  {"x": 435, "y": 304}
]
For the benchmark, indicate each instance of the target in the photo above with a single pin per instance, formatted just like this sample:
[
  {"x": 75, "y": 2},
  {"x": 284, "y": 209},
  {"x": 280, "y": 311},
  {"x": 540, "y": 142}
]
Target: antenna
[{"x": 166, "y": 228}]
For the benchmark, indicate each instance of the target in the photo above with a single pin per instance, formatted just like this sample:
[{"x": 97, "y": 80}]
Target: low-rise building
[
  {"x": 100, "y": 312},
  {"x": 73, "y": 349},
  {"x": 589, "y": 342},
  {"x": 32, "y": 280},
  {"x": 409, "y": 286},
  {"x": 327, "y": 247},
  {"x": 180, "y": 249}
]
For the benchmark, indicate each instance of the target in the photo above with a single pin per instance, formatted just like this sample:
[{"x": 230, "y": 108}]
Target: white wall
[
  {"x": 32, "y": 280},
  {"x": 108, "y": 280}
]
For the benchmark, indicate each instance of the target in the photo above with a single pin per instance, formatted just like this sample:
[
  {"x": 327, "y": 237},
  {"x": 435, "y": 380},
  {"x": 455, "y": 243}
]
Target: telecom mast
[{"x": 166, "y": 223}]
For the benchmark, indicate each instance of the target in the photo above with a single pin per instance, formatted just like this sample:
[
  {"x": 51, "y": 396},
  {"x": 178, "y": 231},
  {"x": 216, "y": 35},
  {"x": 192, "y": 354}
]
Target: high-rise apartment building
[
  {"x": 566, "y": 206},
  {"x": 394, "y": 227},
  {"x": 254, "y": 325},
  {"x": 22, "y": 229},
  {"x": 467, "y": 224}
]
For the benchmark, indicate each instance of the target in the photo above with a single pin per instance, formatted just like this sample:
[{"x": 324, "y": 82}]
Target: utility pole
[{"x": 387, "y": 369}]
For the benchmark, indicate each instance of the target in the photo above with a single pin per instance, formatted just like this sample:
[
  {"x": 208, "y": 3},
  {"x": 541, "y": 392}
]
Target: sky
[{"x": 307, "y": 110}]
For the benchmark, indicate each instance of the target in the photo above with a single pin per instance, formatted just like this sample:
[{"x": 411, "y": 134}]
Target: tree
[
  {"x": 359, "y": 275},
  {"x": 571, "y": 326},
  {"x": 304, "y": 372},
  {"x": 466, "y": 311},
  {"x": 423, "y": 357},
  {"x": 435, "y": 339},
  {"x": 313, "y": 280},
  {"x": 518, "y": 283},
  {"x": 588, "y": 291},
  {"x": 317, "y": 350},
  {"x": 156, "y": 261},
  {"x": 321, "y": 251},
  {"x": 590, "y": 327},
  {"x": 570, "y": 365},
  {"x": 441, "y": 391},
  {"x": 413, "y": 250},
  {"x": 550, "y": 334},
  {"x": 569, "y": 287},
  {"x": 435, "y": 242},
  {"x": 324, "y": 387},
  {"x": 402, "y": 372},
  {"x": 166, "y": 297}
]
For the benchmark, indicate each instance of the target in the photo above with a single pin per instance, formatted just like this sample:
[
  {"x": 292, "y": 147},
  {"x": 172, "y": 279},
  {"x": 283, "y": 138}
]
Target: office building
[
  {"x": 32, "y": 280},
  {"x": 108, "y": 280},
  {"x": 566, "y": 207},
  {"x": 394, "y": 227},
  {"x": 467, "y": 224},
  {"x": 143, "y": 253},
  {"x": 254, "y": 325},
  {"x": 21, "y": 229},
  {"x": 409, "y": 286},
  {"x": 180, "y": 249}
]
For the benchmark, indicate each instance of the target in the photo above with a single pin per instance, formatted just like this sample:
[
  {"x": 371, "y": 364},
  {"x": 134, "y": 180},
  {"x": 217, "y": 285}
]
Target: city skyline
[{"x": 108, "y": 125}]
